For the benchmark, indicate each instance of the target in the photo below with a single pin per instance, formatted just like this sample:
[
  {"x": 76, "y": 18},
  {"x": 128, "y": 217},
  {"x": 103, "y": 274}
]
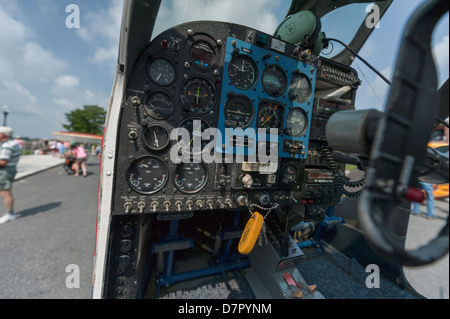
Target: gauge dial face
[
  {"x": 289, "y": 174},
  {"x": 161, "y": 71},
  {"x": 274, "y": 81},
  {"x": 202, "y": 54},
  {"x": 148, "y": 175},
  {"x": 270, "y": 115},
  {"x": 238, "y": 111},
  {"x": 190, "y": 177},
  {"x": 198, "y": 96},
  {"x": 300, "y": 88},
  {"x": 243, "y": 72},
  {"x": 195, "y": 127},
  {"x": 159, "y": 105},
  {"x": 296, "y": 122},
  {"x": 156, "y": 137}
]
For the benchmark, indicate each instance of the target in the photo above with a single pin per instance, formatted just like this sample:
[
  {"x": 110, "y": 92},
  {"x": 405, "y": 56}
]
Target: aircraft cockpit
[{"x": 217, "y": 141}]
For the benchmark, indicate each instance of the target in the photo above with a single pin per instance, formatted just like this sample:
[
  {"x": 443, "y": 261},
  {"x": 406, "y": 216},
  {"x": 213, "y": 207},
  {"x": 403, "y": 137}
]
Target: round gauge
[
  {"x": 243, "y": 72},
  {"x": 161, "y": 71},
  {"x": 156, "y": 137},
  {"x": 195, "y": 127},
  {"x": 238, "y": 111},
  {"x": 202, "y": 54},
  {"x": 190, "y": 177},
  {"x": 198, "y": 95},
  {"x": 159, "y": 105},
  {"x": 274, "y": 80},
  {"x": 289, "y": 173},
  {"x": 270, "y": 115},
  {"x": 148, "y": 175},
  {"x": 296, "y": 122},
  {"x": 300, "y": 88}
]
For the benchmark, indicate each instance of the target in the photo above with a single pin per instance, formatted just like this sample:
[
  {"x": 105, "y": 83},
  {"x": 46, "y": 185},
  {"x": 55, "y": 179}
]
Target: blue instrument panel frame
[{"x": 256, "y": 94}]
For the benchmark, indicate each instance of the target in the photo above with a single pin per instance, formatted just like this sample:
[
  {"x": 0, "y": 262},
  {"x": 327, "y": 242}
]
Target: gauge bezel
[
  {"x": 209, "y": 106},
  {"x": 201, "y": 66},
  {"x": 157, "y": 58},
  {"x": 310, "y": 88},
  {"x": 297, "y": 172},
  {"x": 146, "y": 129},
  {"x": 254, "y": 66},
  {"x": 194, "y": 118},
  {"x": 164, "y": 164},
  {"x": 205, "y": 168},
  {"x": 285, "y": 84},
  {"x": 306, "y": 121},
  {"x": 151, "y": 112},
  {"x": 281, "y": 118},
  {"x": 247, "y": 100}
]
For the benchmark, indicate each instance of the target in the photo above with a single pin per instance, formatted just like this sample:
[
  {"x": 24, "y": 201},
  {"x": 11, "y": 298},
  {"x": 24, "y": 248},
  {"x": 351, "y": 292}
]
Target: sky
[{"x": 48, "y": 69}]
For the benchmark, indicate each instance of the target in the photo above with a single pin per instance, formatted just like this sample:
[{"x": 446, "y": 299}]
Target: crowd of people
[{"x": 10, "y": 152}]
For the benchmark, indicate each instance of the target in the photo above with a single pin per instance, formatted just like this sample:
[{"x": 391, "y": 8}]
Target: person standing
[
  {"x": 80, "y": 155},
  {"x": 9, "y": 157},
  {"x": 428, "y": 188}
]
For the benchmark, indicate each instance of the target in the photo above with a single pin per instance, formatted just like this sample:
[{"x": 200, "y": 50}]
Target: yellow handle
[{"x": 250, "y": 234}]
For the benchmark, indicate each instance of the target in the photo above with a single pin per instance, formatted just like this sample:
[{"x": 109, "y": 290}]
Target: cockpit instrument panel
[{"x": 215, "y": 116}]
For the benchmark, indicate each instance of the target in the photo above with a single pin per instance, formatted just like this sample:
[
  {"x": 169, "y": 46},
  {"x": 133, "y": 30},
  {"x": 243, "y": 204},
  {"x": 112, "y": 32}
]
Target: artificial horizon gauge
[
  {"x": 269, "y": 115},
  {"x": 202, "y": 54},
  {"x": 296, "y": 122},
  {"x": 198, "y": 95},
  {"x": 190, "y": 178},
  {"x": 300, "y": 88},
  {"x": 161, "y": 71},
  {"x": 274, "y": 81},
  {"x": 148, "y": 175},
  {"x": 242, "y": 72},
  {"x": 159, "y": 105},
  {"x": 194, "y": 140},
  {"x": 156, "y": 137},
  {"x": 238, "y": 111}
]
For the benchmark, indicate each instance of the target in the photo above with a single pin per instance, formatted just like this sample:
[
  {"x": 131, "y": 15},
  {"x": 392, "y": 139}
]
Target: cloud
[
  {"x": 262, "y": 15},
  {"x": 22, "y": 58},
  {"x": 102, "y": 29},
  {"x": 66, "y": 81}
]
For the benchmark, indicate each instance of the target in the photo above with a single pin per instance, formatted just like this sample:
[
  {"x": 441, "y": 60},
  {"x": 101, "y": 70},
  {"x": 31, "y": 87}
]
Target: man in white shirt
[{"x": 9, "y": 157}]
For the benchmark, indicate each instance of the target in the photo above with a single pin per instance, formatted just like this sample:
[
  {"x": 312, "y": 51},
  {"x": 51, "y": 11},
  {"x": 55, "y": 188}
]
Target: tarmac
[
  {"x": 432, "y": 280},
  {"x": 32, "y": 164}
]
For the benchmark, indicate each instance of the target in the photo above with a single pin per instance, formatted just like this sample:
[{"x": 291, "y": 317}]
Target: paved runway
[{"x": 56, "y": 228}]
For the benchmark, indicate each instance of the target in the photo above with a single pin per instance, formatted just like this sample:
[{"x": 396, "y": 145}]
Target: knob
[
  {"x": 241, "y": 199},
  {"x": 264, "y": 199},
  {"x": 247, "y": 180}
]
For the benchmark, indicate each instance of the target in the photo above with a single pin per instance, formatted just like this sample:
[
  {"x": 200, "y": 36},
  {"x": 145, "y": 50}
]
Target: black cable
[{"x": 356, "y": 55}]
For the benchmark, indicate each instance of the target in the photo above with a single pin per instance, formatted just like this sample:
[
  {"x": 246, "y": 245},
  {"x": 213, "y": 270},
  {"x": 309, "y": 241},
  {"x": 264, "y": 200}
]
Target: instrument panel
[{"x": 215, "y": 116}]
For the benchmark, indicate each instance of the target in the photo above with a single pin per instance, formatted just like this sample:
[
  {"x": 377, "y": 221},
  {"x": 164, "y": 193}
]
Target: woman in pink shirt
[{"x": 80, "y": 155}]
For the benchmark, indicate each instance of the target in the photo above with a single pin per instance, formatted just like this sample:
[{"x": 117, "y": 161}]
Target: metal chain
[{"x": 268, "y": 209}]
